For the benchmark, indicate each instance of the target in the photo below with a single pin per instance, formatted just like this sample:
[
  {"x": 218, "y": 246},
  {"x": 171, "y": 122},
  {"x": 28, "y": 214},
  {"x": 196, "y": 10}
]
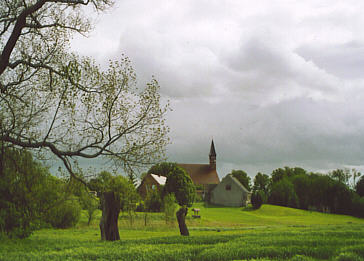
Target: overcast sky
[{"x": 275, "y": 83}]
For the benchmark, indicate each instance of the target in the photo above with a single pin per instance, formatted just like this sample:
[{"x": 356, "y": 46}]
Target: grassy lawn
[{"x": 270, "y": 233}]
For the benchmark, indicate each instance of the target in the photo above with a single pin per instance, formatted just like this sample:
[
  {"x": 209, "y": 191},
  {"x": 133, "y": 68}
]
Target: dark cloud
[{"x": 274, "y": 83}]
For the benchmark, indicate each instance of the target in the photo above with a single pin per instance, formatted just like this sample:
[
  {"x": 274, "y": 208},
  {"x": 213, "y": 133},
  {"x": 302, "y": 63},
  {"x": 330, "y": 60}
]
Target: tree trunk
[
  {"x": 181, "y": 218},
  {"x": 109, "y": 220}
]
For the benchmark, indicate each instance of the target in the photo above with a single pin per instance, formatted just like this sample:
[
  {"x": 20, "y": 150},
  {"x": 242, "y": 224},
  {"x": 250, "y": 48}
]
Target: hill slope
[{"x": 267, "y": 215}]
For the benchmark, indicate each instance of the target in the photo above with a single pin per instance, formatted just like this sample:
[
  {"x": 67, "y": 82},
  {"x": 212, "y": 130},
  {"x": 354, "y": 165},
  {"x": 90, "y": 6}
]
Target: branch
[{"x": 14, "y": 37}]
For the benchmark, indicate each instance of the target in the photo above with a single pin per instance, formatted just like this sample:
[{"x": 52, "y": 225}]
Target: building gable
[{"x": 229, "y": 192}]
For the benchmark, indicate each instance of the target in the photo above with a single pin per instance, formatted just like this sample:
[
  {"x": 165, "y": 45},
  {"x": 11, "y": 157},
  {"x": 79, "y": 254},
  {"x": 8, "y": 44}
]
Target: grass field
[{"x": 270, "y": 233}]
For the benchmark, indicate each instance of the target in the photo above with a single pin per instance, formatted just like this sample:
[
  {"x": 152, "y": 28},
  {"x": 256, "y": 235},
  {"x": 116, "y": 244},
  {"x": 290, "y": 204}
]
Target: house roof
[
  {"x": 201, "y": 173},
  {"x": 161, "y": 180},
  {"x": 235, "y": 180}
]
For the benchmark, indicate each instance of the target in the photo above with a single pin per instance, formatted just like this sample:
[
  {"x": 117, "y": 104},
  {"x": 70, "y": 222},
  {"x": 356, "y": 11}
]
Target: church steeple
[{"x": 212, "y": 155}]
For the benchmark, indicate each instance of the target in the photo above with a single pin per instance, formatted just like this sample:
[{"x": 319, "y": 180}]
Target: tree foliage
[
  {"x": 341, "y": 175},
  {"x": 359, "y": 188},
  {"x": 66, "y": 214},
  {"x": 283, "y": 194},
  {"x": 243, "y": 178},
  {"x": 90, "y": 203},
  {"x": 261, "y": 182},
  {"x": 28, "y": 193},
  {"x": 163, "y": 168},
  {"x": 116, "y": 193},
  {"x": 286, "y": 172},
  {"x": 57, "y": 102},
  {"x": 180, "y": 184},
  {"x": 153, "y": 201}
]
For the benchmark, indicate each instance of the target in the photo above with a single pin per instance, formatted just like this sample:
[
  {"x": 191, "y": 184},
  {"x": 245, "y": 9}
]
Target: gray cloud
[{"x": 274, "y": 84}]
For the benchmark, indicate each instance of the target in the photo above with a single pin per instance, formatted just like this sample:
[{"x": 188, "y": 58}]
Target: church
[{"x": 203, "y": 174}]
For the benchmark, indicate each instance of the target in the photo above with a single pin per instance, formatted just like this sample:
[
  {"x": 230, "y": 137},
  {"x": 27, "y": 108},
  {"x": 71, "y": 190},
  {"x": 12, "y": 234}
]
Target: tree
[
  {"x": 283, "y": 194},
  {"x": 163, "y": 168},
  {"x": 28, "y": 193},
  {"x": 180, "y": 184},
  {"x": 359, "y": 188},
  {"x": 303, "y": 189},
  {"x": 90, "y": 203},
  {"x": 116, "y": 193},
  {"x": 287, "y": 172},
  {"x": 261, "y": 182},
  {"x": 242, "y": 177},
  {"x": 58, "y": 103},
  {"x": 355, "y": 175},
  {"x": 341, "y": 175}
]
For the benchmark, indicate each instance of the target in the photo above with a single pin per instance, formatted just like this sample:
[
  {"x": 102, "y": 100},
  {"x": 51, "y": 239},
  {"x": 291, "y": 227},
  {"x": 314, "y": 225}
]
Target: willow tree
[
  {"x": 58, "y": 103},
  {"x": 181, "y": 185}
]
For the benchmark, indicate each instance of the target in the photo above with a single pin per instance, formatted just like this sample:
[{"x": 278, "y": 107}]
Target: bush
[
  {"x": 140, "y": 207},
  {"x": 257, "y": 199},
  {"x": 153, "y": 201},
  {"x": 65, "y": 215},
  {"x": 169, "y": 207}
]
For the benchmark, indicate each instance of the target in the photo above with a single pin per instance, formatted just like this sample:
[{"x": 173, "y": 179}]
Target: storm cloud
[{"x": 274, "y": 83}]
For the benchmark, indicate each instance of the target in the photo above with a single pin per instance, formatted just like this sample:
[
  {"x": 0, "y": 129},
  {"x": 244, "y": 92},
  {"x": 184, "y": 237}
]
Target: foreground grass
[{"x": 271, "y": 233}]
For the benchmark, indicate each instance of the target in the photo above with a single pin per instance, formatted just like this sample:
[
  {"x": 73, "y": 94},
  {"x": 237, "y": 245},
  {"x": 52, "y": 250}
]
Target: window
[{"x": 228, "y": 187}]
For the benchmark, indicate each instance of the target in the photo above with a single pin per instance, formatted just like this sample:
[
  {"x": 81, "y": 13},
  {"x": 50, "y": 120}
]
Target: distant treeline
[{"x": 340, "y": 191}]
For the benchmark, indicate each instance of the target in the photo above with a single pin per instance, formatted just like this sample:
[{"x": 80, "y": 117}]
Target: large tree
[
  {"x": 261, "y": 182},
  {"x": 120, "y": 194},
  {"x": 57, "y": 103},
  {"x": 181, "y": 185}
]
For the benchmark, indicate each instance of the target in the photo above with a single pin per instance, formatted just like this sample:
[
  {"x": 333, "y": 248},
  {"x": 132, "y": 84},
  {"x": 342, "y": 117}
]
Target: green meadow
[{"x": 270, "y": 233}]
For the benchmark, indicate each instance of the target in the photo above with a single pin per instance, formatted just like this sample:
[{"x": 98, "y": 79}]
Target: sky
[{"x": 274, "y": 83}]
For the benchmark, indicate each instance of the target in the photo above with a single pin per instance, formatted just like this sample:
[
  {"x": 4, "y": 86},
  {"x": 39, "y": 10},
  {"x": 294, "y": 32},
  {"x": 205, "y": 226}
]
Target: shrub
[
  {"x": 153, "y": 201},
  {"x": 257, "y": 199},
  {"x": 169, "y": 207},
  {"x": 65, "y": 215},
  {"x": 140, "y": 207}
]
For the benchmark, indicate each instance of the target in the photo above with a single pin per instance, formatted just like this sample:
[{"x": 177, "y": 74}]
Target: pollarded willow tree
[{"x": 55, "y": 102}]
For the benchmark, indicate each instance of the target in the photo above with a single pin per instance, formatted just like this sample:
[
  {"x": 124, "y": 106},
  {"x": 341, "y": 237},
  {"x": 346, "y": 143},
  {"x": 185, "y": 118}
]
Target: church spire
[{"x": 212, "y": 155}]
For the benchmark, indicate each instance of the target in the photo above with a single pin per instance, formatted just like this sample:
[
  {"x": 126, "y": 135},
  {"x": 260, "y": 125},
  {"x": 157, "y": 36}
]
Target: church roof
[{"x": 201, "y": 173}]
